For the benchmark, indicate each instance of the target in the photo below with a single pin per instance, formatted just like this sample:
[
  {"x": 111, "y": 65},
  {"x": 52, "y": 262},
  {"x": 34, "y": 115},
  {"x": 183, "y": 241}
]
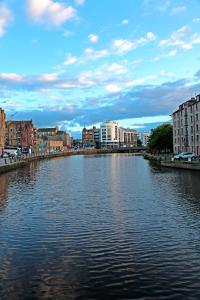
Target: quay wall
[
  {"x": 165, "y": 161},
  {"x": 182, "y": 165}
]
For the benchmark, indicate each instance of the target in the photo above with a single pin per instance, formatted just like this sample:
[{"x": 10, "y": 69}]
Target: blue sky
[{"x": 76, "y": 63}]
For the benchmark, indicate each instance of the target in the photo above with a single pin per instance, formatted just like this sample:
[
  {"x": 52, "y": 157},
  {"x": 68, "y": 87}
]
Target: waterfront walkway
[{"x": 166, "y": 161}]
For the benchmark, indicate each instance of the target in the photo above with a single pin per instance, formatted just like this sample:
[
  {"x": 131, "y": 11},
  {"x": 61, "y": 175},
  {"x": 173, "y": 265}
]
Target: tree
[
  {"x": 139, "y": 142},
  {"x": 161, "y": 139}
]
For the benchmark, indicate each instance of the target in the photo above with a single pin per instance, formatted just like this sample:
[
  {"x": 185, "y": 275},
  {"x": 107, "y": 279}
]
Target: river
[{"x": 99, "y": 227}]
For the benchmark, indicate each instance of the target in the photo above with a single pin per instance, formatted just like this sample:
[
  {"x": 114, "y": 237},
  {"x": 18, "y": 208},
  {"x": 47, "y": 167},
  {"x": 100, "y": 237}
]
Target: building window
[
  {"x": 197, "y": 127},
  {"x": 197, "y": 117}
]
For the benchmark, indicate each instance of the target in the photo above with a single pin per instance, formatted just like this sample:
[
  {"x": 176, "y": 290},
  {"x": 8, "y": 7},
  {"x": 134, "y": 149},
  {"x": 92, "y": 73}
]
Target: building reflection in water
[
  {"x": 25, "y": 175},
  {"x": 187, "y": 184},
  {"x": 3, "y": 191}
]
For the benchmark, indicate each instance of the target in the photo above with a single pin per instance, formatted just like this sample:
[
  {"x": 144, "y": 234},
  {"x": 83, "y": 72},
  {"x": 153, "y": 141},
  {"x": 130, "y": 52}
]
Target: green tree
[
  {"x": 139, "y": 142},
  {"x": 161, "y": 139}
]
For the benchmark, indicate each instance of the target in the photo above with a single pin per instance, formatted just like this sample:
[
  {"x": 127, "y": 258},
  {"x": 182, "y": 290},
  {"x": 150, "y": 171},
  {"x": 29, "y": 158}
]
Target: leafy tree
[
  {"x": 161, "y": 139},
  {"x": 139, "y": 142}
]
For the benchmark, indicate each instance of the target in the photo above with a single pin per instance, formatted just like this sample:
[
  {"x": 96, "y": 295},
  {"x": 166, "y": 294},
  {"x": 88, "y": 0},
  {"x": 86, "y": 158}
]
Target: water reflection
[
  {"x": 3, "y": 191},
  {"x": 95, "y": 227}
]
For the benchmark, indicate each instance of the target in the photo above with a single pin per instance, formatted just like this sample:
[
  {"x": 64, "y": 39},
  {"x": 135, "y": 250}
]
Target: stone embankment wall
[{"x": 165, "y": 161}]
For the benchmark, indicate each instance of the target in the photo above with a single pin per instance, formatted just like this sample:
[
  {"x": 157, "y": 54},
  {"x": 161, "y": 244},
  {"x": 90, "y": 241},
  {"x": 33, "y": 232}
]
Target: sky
[{"x": 76, "y": 63}]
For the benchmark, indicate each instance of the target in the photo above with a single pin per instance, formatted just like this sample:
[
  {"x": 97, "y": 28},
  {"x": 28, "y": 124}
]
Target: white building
[
  {"x": 144, "y": 138},
  {"x": 186, "y": 127},
  {"x": 109, "y": 134}
]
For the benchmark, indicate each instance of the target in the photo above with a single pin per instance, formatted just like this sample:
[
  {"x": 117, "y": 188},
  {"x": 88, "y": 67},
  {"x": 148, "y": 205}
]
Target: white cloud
[
  {"x": 177, "y": 10},
  {"x": 176, "y": 38},
  {"x": 181, "y": 32},
  {"x": 182, "y": 39},
  {"x": 92, "y": 54},
  {"x": 172, "y": 53},
  {"x": 70, "y": 60},
  {"x": 187, "y": 46},
  {"x": 151, "y": 36},
  {"x": 116, "y": 68},
  {"x": 85, "y": 79},
  {"x": 125, "y": 22},
  {"x": 169, "y": 54},
  {"x": 195, "y": 39},
  {"x": 122, "y": 46},
  {"x": 11, "y": 77},
  {"x": 196, "y": 20},
  {"x": 79, "y": 2},
  {"x": 48, "y": 77},
  {"x": 66, "y": 85},
  {"x": 112, "y": 88},
  {"x": 6, "y": 18},
  {"x": 93, "y": 38},
  {"x": 49, "y": 12},
  {"x": 134, "y": 82}
]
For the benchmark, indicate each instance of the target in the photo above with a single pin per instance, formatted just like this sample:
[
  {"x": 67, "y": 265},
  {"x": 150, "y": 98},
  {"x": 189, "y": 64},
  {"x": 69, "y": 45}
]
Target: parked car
[
  {"x": 13, "y": 152},
  {"x": 184, "y": 155},
  {"x": 5, "y": 155}
]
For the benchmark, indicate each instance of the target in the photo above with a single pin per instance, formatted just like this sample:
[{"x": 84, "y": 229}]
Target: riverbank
[
  {"x": 8, "y": 164},
  {"x": 166, "y": 162}
]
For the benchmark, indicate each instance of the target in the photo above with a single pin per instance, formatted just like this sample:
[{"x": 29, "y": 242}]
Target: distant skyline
[{"x": 76, "y": 63}]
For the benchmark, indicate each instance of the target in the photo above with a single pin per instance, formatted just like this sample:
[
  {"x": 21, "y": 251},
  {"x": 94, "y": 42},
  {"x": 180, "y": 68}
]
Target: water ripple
[{"x": 99, "y": 227}]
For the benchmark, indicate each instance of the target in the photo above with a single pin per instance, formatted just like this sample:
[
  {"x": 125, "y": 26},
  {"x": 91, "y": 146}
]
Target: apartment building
[
  {"x": 51, "y": 131},
  {"x": 144, "y": 138},
  {"x": 66, "y": 138},
  {"x": 21, "y": 134},
  {"x": 127, "y": 137},
  {"x": 109, "y": 134},
  {"x": 2, "y": 129},
  {"x": 51, "y": 139},
  {"x": 186, "y": 127},
  {"x": 88, "y": 137}
]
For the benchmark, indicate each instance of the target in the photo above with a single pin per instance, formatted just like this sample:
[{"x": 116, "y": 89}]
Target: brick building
[
  {"x": 88, "y": 137},
  {"x": 52, "y": 139},
  {"x": 21, "y": 134}
]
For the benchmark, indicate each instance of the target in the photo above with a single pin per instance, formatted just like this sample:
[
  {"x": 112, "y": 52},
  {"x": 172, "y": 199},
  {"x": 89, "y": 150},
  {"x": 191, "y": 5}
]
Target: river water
[{"x": 99, "y": 227}]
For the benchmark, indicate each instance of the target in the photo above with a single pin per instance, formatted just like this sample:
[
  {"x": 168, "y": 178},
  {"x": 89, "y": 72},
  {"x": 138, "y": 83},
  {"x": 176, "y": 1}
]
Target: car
[
  {"x": 184, "y": 155},
  {"x": 5, "y": 155}
]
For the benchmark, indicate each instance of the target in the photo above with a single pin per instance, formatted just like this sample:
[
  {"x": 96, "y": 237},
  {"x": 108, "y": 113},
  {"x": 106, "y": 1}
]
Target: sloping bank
[
  {"x": 13, "y": 165},
  {"x": 159, "y": 160}
]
